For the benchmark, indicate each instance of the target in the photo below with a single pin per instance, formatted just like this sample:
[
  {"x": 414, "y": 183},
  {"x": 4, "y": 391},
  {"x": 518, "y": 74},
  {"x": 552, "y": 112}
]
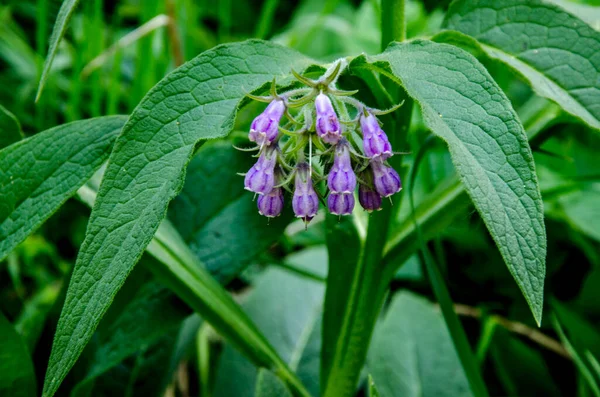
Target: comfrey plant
[{"x": 321, "y": 142}]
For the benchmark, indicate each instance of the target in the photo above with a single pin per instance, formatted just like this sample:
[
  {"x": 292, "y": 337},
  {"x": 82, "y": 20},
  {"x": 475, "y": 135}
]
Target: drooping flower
[
  {"x": 340, "y": 203},
  {"x": 375, "y": 142},
  {"x": 265, "y": 127},
  {"x": 328, "y": 125},
  {"x": 341, "y": 177},
  {"x": 261, "y": 179},
  {"x": 369, "y": 199},
  {"x": 305, "y": 201},
  {"x": 271, "y": 204},
  {"x": 385, "y": 179}
]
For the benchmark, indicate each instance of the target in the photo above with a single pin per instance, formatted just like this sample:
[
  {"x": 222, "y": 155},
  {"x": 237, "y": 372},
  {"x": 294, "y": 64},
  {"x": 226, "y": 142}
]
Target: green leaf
[
  {"x": 58, "y": 31},
  {"x": 146, "y": 170},
  {"x": 10, "y": 128},
  {"x": 217, "y": 217},
  {"x": 488, "y": 146},
  {"x": 40, "y": 173},
  {"x": 287, "y": 309},
  {"x": 552, "y": 49},
  {"x": 16, "y": 367},
  {"x": 372, "y": 388},
  {"x": 412, "y": 354},
  {"x": 268, "y": 385}
]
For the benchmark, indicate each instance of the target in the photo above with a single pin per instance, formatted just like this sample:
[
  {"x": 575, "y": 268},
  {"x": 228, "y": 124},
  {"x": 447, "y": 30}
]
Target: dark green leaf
[
  {"x": 58, "y": 31},
  {"x": 488, "y": 146},
  {"x": 553, "y": 50},
  {"x": 17, "y": 375},
  {"x": 217, "y": 217},
  {"x": 287, "y": 309},
  {"x": 412, "y": 353},
  {"x": 10, "y": 129},
  {"x": 40, "y": 173},
  {"x": 146, "y": 170},
  {"x": 268, "y": 385}
]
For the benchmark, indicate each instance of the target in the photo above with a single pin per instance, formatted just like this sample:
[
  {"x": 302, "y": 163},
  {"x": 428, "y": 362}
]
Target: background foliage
[{"x": 150, "y": 341}]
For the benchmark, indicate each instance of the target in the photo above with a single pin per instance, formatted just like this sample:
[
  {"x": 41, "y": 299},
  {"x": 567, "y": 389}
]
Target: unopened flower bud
[
  {"x": 271, "y": 204},
  {"x": 340, "y": 203},
  {"x": 375, "y": 141},
  {"x": 385, "y": 179},
  {"x": 369, "y": 199},
  {"x": 305, "y": 201},
  {"x": 341, "y": 177},
  {"x": 265, "y": 127},
  {"x": 328, "y": 126},
  {"x": 261, "y": 179}
]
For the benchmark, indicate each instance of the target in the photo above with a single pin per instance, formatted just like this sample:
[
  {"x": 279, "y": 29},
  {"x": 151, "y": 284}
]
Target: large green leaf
[
  {"x": 58, "y": 31},
  {"x": 146, "y": 170},
  {"x": 40, "y": 173},
  {"x": 217, "y": 217},
  {"x": 287, "y": 309},
  {"x": 462, "y": 104},
  {"x": 553, "y": 50},
  {"x": 16, "y": 367},
  {"x": 412, "y": 353},
  {"x": 10, "y": 129}
]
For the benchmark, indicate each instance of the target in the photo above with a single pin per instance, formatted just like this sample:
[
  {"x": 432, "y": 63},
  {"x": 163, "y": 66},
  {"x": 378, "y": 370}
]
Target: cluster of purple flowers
[{"x": 349, "y": 163}]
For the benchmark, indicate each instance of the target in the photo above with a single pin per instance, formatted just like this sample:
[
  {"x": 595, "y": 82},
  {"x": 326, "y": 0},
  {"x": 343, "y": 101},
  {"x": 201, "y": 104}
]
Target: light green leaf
[
  {"x": 146, "y": 170},
  {"x": 462, "y": 104},
  {"x": 10, "y": 129},
  {"x": 16, "y": 368},
  {"x": 40, "y": 173},
  {"x": 553, "y": 50},
  {"x": 582, "y": 211},
  {"x": 268, "y": 385},
  {"x": 372, "y": 387},
  {"x": 58, "y": 31},
  {"x": 412, "y": 353},
  {"x": 287, "y": 309},
  {"x": 217, "y": 217}
]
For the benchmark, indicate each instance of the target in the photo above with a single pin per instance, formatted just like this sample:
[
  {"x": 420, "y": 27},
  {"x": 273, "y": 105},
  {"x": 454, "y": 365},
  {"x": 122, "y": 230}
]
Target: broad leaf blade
[
  {"x": 16, "y": 367},
  {"x": 146, "y": 170},
  {"x": 10, "y": 129},
  {"x": 412, "y": 353},
  {"x": 555, "y": 51},
  {"x": 463, "y": 105},
  {"x": 58, "y": 31},
  {"x": 38, "y": 174}
]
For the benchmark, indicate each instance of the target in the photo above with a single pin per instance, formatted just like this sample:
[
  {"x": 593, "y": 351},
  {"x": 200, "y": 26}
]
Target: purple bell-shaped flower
[
  {"x": 385, "y": 179},
  {"x": 328, "y": 125},
  {"x": 340, "y": 203},
  {"x": 369, "y": 199},
  {"x": 261, "y": 177},
  {"x": 341, "y": 177},
  {"x": 271, "y": 204},
  {"x": 375, "y": 141},
  {"x": 265, "y": 127},
  {"x": 305, "y": 201}
]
